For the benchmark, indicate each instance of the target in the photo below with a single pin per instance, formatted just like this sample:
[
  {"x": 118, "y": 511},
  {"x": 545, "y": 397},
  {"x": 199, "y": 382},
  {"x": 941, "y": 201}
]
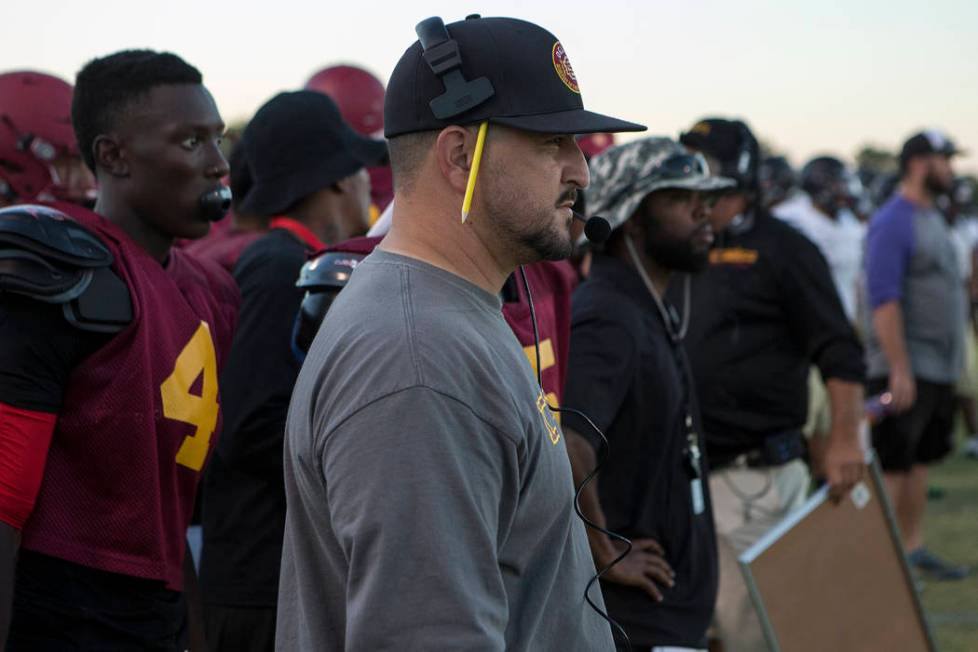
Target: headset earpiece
[{"x": 441, "y": 53}]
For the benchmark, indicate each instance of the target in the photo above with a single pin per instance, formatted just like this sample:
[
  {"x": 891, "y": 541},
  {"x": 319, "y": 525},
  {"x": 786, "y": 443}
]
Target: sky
[{"x": 809, "y": 77}]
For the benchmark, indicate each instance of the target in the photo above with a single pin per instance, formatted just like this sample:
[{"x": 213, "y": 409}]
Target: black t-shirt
[
  {"x": 244, "y": 487},
  {"x": 762, "y": 314},
  {"x": 627, "y": 375},
  {"x": 38, "y": 350}
]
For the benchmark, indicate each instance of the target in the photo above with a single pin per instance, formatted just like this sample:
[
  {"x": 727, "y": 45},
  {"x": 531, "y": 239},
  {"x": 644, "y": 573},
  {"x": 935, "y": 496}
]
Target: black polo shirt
[
  {"x": 762, "y": 314},
  {"x": 629, "y": 377}
]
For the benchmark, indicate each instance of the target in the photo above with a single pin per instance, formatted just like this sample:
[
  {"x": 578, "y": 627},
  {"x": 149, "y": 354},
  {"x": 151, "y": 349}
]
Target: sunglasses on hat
[{"x": 681, "y": 166}]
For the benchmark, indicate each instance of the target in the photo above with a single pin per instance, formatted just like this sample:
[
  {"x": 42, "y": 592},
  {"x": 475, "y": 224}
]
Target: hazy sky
[{"x": 810, "y": 77}]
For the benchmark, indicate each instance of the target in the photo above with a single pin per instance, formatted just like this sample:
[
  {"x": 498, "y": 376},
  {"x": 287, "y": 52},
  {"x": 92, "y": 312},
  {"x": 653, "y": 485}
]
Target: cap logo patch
[{"x": 563, "y": 67}]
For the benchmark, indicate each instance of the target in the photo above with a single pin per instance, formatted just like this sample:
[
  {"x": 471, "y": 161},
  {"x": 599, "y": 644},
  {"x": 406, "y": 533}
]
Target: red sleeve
[{"x": 25, "y": 436}]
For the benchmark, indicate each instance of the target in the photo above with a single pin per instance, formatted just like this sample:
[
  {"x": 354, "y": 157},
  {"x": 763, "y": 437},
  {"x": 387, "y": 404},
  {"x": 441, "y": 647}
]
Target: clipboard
[{"x": 834, "y": 577}]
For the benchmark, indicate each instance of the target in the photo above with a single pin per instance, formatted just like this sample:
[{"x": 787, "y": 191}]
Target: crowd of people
[{"x": 447, "y": 368}]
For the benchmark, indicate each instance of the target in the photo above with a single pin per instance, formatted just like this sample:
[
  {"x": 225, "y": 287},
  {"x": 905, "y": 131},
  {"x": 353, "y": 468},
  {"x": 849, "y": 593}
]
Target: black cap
[
  {"x": 528, "y": 82},
  {"x": 930, "y": 141},
  {"x": 731, "y": 143},
  {"x": 297, "y": 144}
]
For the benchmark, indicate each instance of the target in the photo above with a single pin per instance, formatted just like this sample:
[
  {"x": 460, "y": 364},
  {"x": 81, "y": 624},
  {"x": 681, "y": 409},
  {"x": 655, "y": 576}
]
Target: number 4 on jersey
[{"x": 180, "y": 404}]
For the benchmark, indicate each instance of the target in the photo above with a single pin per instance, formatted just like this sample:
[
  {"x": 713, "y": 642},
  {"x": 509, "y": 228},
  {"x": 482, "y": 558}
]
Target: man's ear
[
  {"x": 110, "y": 156},
  {"x": 453, "y": 150}
]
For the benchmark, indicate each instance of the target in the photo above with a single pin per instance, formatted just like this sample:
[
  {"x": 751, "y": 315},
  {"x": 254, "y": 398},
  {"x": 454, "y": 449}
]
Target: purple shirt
[
  {"x": 890, "y": 244},
  {"x": 910, "y": 259}
]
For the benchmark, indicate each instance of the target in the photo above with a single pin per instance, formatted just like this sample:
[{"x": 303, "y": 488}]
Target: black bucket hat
[
  {"x": 297, "y": 144},
  {"x": 513, "y": 73}
]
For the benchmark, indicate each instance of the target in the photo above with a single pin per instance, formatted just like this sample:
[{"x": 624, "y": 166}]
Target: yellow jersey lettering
[
  {"x": 733, "y": 256},
  {"x": 197, "y": 359}
]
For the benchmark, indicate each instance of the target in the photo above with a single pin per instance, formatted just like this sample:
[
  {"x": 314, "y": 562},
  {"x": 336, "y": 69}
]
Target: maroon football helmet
[
  {"x": 39, "y": 158},
  {"x": 358, "y": 94}
]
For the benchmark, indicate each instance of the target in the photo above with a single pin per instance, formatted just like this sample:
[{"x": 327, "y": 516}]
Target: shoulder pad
[
  {"x": 46, "y": 255},
  {"x": 104, "y": 306},
  {"x": 52, "y": 235}
]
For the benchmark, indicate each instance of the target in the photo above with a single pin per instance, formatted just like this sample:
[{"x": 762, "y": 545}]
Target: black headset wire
[{"x": 603, "y": 452}]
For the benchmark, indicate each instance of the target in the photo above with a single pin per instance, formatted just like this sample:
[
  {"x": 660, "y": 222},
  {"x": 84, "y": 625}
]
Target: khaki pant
[
  {"x": 746, "y": 504},
  {"x": 819, "y": 421}
]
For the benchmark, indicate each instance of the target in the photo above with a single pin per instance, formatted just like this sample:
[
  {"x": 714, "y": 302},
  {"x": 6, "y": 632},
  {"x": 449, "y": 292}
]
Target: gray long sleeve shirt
[{"x": 429, "y": 490}]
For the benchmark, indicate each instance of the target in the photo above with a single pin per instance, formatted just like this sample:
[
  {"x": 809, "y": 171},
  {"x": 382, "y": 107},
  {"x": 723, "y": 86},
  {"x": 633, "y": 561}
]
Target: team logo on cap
[{"x": 563, "y": 67}]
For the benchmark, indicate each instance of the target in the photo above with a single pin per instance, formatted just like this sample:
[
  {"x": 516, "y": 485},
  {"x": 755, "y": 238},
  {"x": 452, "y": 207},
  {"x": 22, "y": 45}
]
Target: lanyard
[
  {"x": 299, "y": 230},
  {"x": 692, "y": 455}
]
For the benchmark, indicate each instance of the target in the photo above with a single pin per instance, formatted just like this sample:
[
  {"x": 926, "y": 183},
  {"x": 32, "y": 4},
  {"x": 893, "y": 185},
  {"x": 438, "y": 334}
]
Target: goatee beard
[{"x": 548, "y": 244}]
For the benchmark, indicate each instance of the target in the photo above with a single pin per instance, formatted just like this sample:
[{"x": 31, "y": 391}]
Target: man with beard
[
  {"x": 765, "y": 311},
  {"x": 628, "y": 373},
  {"x": 430, "y": 499},
  {"x": 915, "y": 343}
]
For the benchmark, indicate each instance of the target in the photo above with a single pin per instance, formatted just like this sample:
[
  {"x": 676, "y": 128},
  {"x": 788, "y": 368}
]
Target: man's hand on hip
[{"x": 644, "y": 567}]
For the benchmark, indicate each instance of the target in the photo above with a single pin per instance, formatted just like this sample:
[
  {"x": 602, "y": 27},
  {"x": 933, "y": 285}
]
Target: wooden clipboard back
[{"x": 834, "y": 577}]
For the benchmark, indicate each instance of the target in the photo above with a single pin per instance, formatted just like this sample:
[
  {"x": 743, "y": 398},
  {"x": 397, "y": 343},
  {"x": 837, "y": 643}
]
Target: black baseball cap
[
  {"x": 929, "y": 141},
  {"x": 731, "y": 143},
  {"x": 297, "y": 144},
  {"x": 533, "y": 86}
]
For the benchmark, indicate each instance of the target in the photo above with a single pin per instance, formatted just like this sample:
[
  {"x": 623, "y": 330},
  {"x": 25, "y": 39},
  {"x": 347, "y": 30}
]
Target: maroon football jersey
[
  {"x": 552, "y": 284},
  {"x": 224, "y": 247},
  {"x": 381, "y": 187},
  {"x": 138, "y": 420}
]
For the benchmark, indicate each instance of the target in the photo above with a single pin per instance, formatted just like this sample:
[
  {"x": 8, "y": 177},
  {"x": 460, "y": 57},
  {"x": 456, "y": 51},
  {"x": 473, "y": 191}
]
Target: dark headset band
[{"x": 440, "y": 51}]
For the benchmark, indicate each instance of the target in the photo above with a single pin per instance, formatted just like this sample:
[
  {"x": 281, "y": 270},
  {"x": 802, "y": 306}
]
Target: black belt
[{"x": 775, "y": 450}]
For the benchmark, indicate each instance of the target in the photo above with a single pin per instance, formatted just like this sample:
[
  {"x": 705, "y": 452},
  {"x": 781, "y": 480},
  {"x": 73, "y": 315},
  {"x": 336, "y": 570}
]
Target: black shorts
[
  {"x": 922, "y": 434},
  {"x": 59, "y": 606}
]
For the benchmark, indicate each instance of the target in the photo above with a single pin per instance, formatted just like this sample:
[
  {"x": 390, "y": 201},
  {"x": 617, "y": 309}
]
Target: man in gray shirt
[
  {"x": 915, "y": 343},
  {"x": 430, "y": 499}
]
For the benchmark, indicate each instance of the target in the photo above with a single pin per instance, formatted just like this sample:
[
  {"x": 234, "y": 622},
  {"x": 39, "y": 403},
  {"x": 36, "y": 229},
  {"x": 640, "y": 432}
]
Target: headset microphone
[
  {"x": 596, "y": 228},
  {"x": 215, "y": 204}
]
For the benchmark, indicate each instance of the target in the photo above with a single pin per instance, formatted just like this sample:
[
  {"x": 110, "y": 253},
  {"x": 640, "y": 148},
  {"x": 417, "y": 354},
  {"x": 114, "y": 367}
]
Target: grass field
[{"x": 951, "y": 530}]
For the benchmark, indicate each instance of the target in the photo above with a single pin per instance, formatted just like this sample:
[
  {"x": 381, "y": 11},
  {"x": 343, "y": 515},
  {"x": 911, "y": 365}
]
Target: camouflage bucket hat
[{"x": 622, "y": 176}]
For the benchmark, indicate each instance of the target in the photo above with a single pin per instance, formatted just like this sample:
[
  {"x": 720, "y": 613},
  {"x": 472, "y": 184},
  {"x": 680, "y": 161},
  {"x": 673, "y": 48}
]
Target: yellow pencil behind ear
[{"x": 480, "y": 142}]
